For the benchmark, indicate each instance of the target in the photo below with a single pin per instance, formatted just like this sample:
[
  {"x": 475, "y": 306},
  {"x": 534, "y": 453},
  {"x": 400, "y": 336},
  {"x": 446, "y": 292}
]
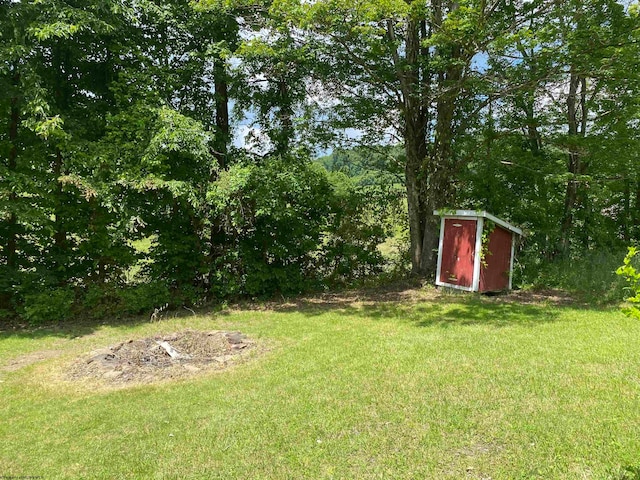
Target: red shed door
[
  {"x": 496, "y": 265},
  {"x": 458, "y": 248}
]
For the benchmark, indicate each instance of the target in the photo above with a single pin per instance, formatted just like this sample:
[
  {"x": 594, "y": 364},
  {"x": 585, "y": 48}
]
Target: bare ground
[
  {"x": 409, "y": 294},
  {"x": 162, "y": 357}
]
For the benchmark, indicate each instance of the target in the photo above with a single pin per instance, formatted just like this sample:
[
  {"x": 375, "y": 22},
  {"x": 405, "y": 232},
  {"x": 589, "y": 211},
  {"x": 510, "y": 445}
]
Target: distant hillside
[{"x": 367, "y": 165}]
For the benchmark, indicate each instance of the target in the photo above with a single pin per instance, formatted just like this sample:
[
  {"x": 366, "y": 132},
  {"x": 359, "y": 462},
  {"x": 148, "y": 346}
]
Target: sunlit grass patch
[{"x": 451, "y": 387}]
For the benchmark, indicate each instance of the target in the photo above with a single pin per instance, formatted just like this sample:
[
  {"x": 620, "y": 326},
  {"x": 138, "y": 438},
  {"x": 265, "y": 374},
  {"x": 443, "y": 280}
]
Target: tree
[
  {"x": 409, "y": 70},
  {"x": 561, "y": 147},
  {"x": 56, "y": 57}
]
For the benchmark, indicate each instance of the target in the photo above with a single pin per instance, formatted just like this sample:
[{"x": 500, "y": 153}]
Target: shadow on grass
[
  {"x": 406, "y": 304},
  {"x": 626, "y": 473},
  {"x": 443, "y": 312},
  {"x": 429, "y": 306},
  {"x": 77, "y": 327}
]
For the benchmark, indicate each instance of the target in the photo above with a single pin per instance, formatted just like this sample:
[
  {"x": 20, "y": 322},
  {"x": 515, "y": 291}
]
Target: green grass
[{"x": 452, "y": 387}]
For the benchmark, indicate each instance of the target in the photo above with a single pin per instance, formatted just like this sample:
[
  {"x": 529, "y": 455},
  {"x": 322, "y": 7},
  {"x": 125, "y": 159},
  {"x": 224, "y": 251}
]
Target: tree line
[{"x": 119, "y": 131}]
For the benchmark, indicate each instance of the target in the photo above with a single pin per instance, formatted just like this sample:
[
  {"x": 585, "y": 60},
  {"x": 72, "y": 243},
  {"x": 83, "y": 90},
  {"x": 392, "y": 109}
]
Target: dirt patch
[
  {"x": 410, "y": 294},
  {"x": 29, "y": 359},
  {"x": 539, "y": 297},
  {"x": 162, "y": 357},
  {"x": 406, "y": 293},
  {"x": 477, "y": 449}
]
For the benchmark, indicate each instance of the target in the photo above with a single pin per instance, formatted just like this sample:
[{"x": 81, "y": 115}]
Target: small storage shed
[{"x": 476, "y": 251}]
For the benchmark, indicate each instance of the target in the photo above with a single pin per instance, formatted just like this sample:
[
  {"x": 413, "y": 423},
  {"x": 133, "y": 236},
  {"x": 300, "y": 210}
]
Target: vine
[{"x": 489, "y": 227}]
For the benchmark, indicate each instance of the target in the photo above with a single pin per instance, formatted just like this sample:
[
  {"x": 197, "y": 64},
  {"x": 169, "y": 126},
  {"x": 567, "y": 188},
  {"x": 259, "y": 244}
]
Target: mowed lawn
[{"x": 446, "y": 387}]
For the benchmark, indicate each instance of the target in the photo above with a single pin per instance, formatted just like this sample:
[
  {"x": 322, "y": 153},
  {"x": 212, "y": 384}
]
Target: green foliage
[
  {"x": 591, "y": 278},
  {"x": 96, "y": 301},
  {"x": 116, "y": 127},
  {"x": 101, "y": 301},
  {"x": 116, "y": 301},
  {"x": 50, "y": 306},
  {"x": 143, "y": 298},
  {"x": 276, "y": 92},
  {"x": 487, "y": 230},
  {"x": 369, "y": 233},
  {"x": 290, "y": 226},
  {"x": 630, "y": 271},
  {"x": 350, "y": 250},
  {"x": 374, "y": 165},
  {"x": 274, "y": 214}
]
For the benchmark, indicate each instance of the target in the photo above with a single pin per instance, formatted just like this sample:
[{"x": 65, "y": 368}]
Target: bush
[
  {"x": 143, "y": 298},
  {"x": 630, "y": 271},
  {"x": 591, "y": 277},
  {"x": 101, "y": 301},
  {"x": 274, "y": 216},
  {"x": 350, "y": 251},
  {"x": 290, "y": 226},
  {"x": 397, "y": 255},
  {"x": 48, "y": 306},
  {"x": 108, "y": 300}
]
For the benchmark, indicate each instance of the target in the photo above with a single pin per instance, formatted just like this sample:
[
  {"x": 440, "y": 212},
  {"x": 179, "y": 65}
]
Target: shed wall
[{"x": 496, "y": 265}]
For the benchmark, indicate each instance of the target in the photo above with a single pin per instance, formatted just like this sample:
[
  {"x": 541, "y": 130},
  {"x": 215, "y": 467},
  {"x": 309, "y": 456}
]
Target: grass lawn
[{"x": 447, "y": 386}]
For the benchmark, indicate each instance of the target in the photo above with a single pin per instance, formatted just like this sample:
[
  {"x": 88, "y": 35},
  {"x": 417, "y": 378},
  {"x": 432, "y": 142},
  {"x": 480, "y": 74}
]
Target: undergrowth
[{"x": 590, "y": 278}]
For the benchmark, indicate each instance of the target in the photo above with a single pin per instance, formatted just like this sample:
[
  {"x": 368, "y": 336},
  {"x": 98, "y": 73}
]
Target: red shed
[{"x": 476, "y": 251}]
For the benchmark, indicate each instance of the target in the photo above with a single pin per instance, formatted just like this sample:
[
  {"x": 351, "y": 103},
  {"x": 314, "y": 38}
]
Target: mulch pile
[{"x": 161, "y": 357}]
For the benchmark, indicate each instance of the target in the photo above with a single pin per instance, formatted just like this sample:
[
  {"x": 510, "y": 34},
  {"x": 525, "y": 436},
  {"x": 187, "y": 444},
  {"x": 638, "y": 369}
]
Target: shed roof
[{"x": 476, "y": 214}]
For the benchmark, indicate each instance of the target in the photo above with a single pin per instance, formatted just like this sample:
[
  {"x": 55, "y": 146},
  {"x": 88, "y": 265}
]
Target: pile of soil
[{"x": 161, "y": 357}]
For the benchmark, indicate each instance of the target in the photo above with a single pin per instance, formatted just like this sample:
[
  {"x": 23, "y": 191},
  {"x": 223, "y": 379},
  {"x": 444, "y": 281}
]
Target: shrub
[
  {"x": 48, "y": 306},
  {"x": 274, "y": 215},
  {"x": 631, "y": 273},
  {"x": 143, "y": 298},
  {"x": 101, "y": 301},
  {"x": 108, "y": 300},
  {"x": 591, "y": 277},
  {"x": 350, "y": 251}
]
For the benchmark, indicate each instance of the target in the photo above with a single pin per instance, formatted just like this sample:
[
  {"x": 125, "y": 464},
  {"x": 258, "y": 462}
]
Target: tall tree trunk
[
  {"x": 285, "y": 115},
  {"x": 11, "y": 256},
  {"x": 419, "y": 216},
  {"x": 96, "y": 228},
  {"x": 429, "y": 171},
  {"x": 217, "y": 236},
  {"x": 12, "y": 233},
  {"x": 441, "y": 165},
  {"x": 626, "y": 222},
  {"x": 62, "y": 96},
  {"x": 533, "y": 135},
  {"x": 575, "y": 167},
  {"x": 441, "y": 169},
  {"x": 222, "y": 114},
  {"x": 415, "y": 143},
  {"x": 60, "y": 233},
  {"x": 60, "y": 241},
  {"x": 636, "y": 211}
]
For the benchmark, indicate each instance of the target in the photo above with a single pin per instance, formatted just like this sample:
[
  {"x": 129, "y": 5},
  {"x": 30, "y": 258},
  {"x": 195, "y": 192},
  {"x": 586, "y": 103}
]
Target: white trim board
[
  {"x": 476, "y": 214},
  {"x": 457, "y": 287},
  {"x": 440, "y": 244},
  {"x": 475, "y": 284}
]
